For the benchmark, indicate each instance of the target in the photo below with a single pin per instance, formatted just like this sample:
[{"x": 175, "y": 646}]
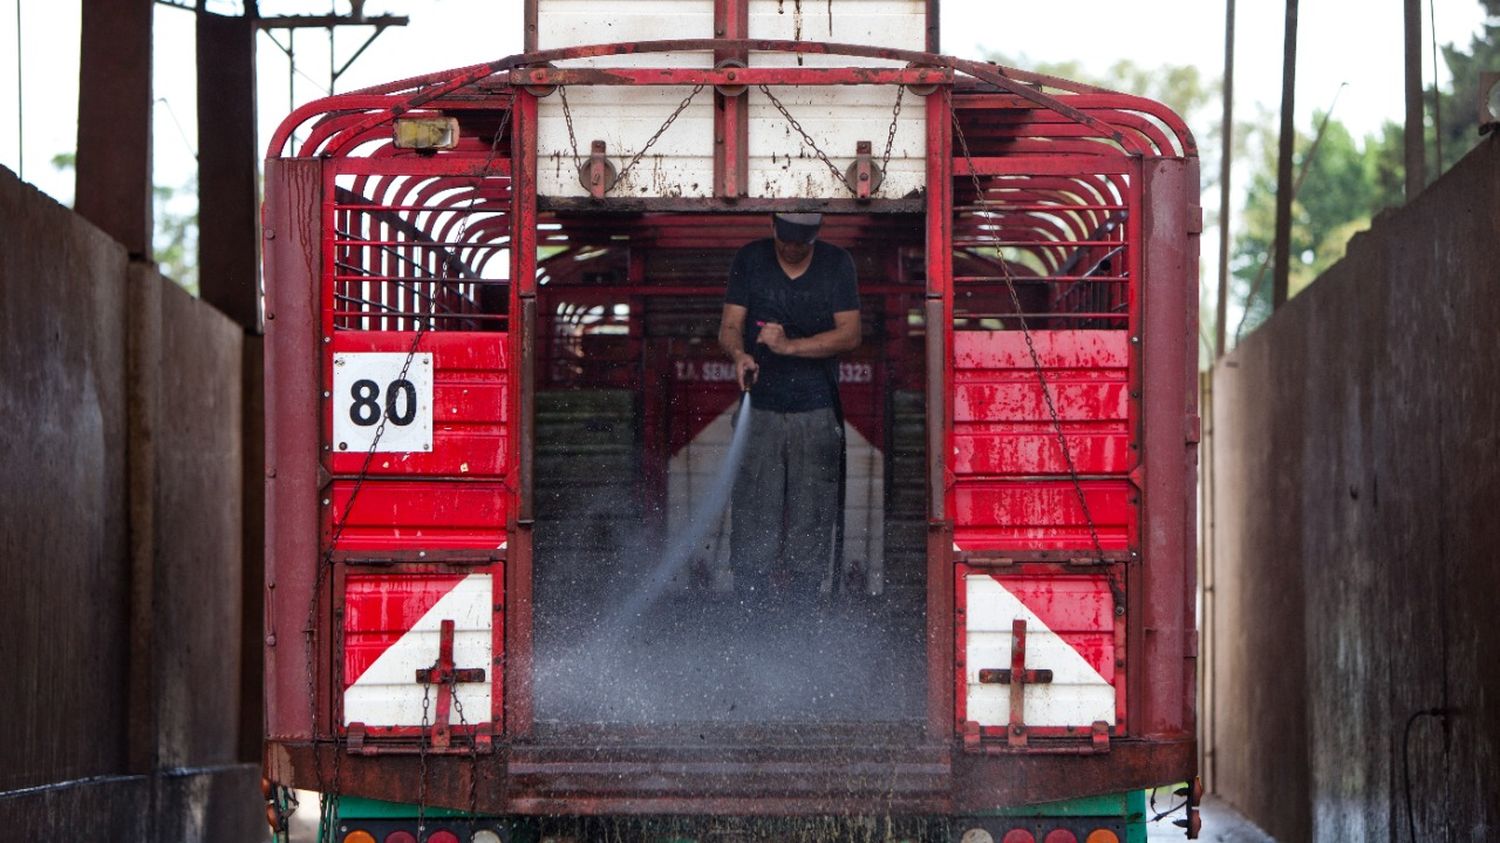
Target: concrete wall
[
  {"x": 1356, "y": 475},
  {"x": 120, "y": 541}
]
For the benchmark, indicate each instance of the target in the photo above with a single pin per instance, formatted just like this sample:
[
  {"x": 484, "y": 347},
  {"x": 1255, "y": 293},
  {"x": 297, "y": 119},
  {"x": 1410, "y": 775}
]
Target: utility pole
[
  {"x": 1416, "y": 153},
  {"x": 1284, "y": 188},
  {"x": 1227, "y": 138}
]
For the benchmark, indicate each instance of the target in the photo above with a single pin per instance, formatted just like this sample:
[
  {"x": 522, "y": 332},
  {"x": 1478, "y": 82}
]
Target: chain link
[
  {"x": 1036, "y": 359},
  {"x": 422, "y": 762},
  {"x": 562, "y": 91},
  {"x": 890, "y": 135},
  {"x": 671, "y": 118},
  {"x": 328, "y": 801},
  {"x": 650, "y": 142},
  {"x": 807, "y": 139}
]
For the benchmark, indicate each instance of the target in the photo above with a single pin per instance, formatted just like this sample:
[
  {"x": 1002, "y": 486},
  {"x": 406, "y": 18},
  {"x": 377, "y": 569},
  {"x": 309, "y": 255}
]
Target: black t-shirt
[{"x": 804, "y": 306}]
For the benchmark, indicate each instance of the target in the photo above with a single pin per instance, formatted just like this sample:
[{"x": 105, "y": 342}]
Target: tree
[
  {"x": 1460, "y": 121},
  {"x": 1346, "y": 184}
]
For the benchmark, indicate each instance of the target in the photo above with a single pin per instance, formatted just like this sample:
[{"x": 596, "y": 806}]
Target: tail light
[{"x": 359, "y": 836}]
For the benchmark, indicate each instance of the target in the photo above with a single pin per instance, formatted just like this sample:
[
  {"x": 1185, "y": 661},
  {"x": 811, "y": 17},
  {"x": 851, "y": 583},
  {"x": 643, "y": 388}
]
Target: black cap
[{"x": 797, "y": 228}]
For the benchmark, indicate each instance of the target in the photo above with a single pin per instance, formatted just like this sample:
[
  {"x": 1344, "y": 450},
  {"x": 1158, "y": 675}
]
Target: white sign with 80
[{"x": 370, "y": 387}]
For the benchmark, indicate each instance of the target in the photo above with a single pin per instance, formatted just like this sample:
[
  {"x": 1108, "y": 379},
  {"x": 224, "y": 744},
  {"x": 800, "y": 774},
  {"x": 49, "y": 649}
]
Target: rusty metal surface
[
  {"x": 1356, "y": 485},
  {"x": 228, "y": 219},
  {"x": 293, "y": 193},
  {"x": 114, "y": 122},
  {"x": 1169, "y": 382},
  {"x": 253, "y": 544},
  {"x": 196, "y": 636},
  {"x": 764, "y": 779},
  {"x": 129, "y": 553},
  {"x": 63, "y": 521}
]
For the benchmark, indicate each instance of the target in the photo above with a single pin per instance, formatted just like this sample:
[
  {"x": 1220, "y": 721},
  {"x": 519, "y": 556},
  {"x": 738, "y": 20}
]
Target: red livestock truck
[{"x": 494, "y": 401}]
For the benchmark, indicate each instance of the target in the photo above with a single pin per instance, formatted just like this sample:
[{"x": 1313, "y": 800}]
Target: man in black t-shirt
[{"x": 791, "y": 308}]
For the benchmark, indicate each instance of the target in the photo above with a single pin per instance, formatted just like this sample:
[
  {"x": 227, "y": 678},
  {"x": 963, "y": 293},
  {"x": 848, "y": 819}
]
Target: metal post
[
  {"x": 20, "y": 102},
  {"x": 113, "y": 186},
  {"x": 1283, "y": 243},
  {"x": 1227, "y": 130},
  {"x": 1416, "y": 176},
  {"x": 228, "y": 218}
]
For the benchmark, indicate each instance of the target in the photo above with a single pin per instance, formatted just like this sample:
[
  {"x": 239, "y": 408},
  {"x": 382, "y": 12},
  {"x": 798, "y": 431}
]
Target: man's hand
[
  {"x": 773, "y": 336},
  {"x": 745, "y": 370}
]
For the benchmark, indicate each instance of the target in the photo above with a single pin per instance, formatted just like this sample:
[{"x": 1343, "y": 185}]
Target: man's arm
[
  {"x": 732, "y": 340},
  {"x": 844, "y": 337}
]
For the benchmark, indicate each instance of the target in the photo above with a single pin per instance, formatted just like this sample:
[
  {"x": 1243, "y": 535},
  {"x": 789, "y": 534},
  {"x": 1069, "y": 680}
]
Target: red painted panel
[
  {"x": 1017, "y": 396},
  {"x": 470, "y": 410},
  {"x": 1079, "y": 609},
  {"x": 1057, "y": 349},
  {"x": 380, "y": 608},
  {"x": 423, "y": 515},
  {"x": 1003, "y": 432},
  {"x": 1029, "y": 449},
  {"x": 1040, "y": 514}
]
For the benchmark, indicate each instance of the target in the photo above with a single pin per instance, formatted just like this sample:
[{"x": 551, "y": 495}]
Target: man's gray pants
[{"x": 785, "y": 505}]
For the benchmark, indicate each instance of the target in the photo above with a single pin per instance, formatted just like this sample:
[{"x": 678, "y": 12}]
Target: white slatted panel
[
  {"x": 680, "y": 164},
  {"x": 837, "y": 118}
]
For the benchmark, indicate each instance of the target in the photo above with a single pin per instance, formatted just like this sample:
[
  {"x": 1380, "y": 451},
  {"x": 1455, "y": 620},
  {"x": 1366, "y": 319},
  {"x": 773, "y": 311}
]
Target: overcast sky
[{"x": 1352, "y": 41}]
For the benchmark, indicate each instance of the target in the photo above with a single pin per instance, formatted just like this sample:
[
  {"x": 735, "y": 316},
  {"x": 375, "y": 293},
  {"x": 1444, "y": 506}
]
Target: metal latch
[
  {"x": 1017, "y": 677},
  {"x": 445, "y": 676}
]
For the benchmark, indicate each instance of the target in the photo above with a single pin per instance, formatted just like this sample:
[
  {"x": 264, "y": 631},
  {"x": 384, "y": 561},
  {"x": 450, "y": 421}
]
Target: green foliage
[
  {"x": 175, "y": 243},
  {"x": 1459, "y": 106},
  {"x": 1348, "y": 182},
  {"x": 1345, "y": 185}
]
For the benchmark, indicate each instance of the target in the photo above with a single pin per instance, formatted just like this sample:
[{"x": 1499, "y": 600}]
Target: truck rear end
[{"x": 495, "y": 405}]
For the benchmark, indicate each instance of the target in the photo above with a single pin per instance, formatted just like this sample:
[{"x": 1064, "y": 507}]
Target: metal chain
[
  {"x": 671, "y": 118},
  {"x": 1036, "y": 360},
  {"x": 329, "y": 800},
  {"x": 807, "y": 139},
  {"x": 890, "y": 135},
  {"x": 422, "y": 763},
  {"x": 562, "y": 91}
]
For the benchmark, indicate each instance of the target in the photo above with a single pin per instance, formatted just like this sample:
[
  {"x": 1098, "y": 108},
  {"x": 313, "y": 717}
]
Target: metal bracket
[
  {"x": 864, "y": 174},
  {"x": 731, "y": 90},
  {"x": 1017, "y": 677},
  {"x": 1100, "y": 736},
  {"x": 598, "y": 175},
  {"x": 445, "y": 676}
]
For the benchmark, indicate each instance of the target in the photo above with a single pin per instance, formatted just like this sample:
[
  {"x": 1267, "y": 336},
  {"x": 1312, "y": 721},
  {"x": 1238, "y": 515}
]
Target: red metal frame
[{"x": 1042, "y": 130}]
